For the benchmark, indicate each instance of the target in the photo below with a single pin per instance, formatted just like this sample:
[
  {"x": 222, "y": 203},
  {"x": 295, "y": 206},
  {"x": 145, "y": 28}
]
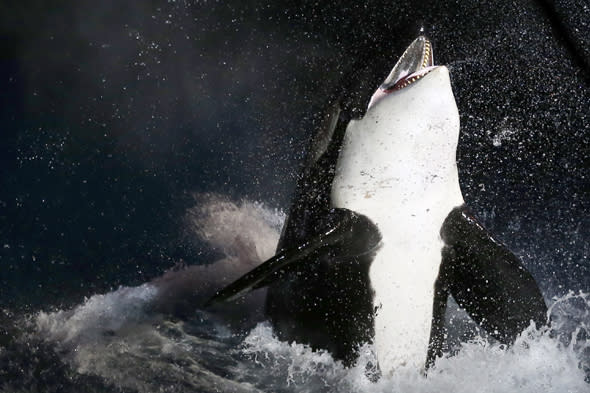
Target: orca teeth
[
  {"x": 416, "y": 61},
  {"x": 417, "y": 57},
  {"x": 408, "y": 80},
  {"x": 424, "y": 68},
  {"x": 428, "y": 58}
]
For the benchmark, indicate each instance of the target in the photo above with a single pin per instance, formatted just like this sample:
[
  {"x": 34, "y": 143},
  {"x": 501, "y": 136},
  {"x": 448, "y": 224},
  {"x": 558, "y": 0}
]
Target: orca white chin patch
[{"x": 397, "y": 166}]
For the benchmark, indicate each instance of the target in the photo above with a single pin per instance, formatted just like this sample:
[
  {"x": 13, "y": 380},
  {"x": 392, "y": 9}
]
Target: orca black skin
[{"x": 486, "y": 279}]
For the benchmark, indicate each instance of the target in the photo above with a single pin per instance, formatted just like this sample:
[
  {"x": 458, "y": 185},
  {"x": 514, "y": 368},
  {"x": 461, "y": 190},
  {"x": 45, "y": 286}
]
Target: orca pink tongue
[{"x": 416, "y": 62}]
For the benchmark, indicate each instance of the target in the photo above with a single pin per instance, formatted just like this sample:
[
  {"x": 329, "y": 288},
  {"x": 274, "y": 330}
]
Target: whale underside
[{"x": 378, "y": 235}]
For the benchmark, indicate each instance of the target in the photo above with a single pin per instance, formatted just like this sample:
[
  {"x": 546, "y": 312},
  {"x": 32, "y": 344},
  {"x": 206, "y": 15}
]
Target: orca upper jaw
[{"x": 416, "y": 61}]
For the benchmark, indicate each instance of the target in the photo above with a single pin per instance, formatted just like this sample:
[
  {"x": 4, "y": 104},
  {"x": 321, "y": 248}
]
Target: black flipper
[
  {"x": 342, "y": 232},
  {"x": 437, "y": 329},
  {"x": 487, "y": 279}
]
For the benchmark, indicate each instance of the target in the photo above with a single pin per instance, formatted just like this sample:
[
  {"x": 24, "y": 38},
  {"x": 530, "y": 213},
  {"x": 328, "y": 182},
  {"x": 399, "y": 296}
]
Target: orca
[{"x": 379, "y": 236}]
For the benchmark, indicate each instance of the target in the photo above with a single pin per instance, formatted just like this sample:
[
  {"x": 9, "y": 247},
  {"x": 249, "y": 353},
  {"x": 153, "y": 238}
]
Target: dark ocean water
[{"x": 122, "y": 123}]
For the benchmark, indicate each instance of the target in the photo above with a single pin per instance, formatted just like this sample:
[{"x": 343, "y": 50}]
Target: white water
[{"x": 118, "y": 337}]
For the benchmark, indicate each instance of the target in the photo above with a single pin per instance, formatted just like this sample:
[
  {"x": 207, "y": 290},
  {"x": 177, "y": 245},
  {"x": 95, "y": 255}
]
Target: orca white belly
[{"x": 397, "y": 166}]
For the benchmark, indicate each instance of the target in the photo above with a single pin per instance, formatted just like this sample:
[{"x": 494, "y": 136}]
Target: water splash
[{"x": 537, "y": 362}]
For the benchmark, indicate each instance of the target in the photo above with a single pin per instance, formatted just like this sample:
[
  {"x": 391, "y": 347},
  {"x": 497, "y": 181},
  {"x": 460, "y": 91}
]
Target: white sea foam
[
  {"x": 98, "y": 314},
  {"x": 537, "y": 362}
]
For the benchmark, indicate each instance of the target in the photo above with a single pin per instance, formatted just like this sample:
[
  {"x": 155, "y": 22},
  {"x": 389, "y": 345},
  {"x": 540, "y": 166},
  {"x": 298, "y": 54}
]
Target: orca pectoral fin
[
  {"x": 346, "y": 233},
  {"x": 487, "y": 279},
  {"x": 250, "y": 280},
  {"x": 437, "y": 329}
]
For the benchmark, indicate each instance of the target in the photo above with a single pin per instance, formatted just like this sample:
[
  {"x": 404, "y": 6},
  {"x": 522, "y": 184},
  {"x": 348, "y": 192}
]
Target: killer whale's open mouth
[{"x": 416, "y": 62}]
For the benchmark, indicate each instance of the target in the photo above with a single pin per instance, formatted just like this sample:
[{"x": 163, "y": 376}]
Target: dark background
[{"x": 113, "y": 113}]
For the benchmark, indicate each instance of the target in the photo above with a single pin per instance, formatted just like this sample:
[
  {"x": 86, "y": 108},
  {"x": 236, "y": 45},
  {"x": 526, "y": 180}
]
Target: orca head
[
  {"x": 415, "y": 63},
  {"x": 409, "y": 134}
]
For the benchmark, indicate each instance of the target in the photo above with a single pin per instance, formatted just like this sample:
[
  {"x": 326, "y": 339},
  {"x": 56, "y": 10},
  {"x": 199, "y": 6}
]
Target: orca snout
[{"x": 417, "y": 61}]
